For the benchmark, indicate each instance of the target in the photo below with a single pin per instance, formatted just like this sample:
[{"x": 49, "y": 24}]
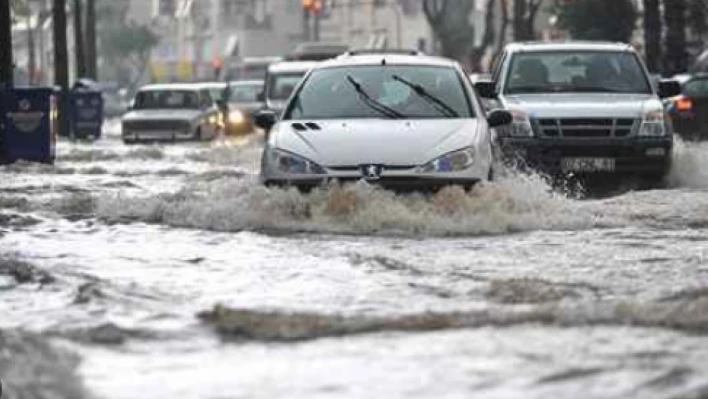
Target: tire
[{"x": 198, "y": 135}]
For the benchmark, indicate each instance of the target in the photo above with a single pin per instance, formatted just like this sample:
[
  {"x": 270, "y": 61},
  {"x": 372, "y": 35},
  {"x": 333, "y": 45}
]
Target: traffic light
[{"x": 313, "y": 6}]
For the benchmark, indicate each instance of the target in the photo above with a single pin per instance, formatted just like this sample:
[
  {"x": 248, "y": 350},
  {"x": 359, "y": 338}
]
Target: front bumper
[
  {"x": 630, "y": 155},
  {"x": 155, "y": 135},
  {"x": 398, "y": 183}
]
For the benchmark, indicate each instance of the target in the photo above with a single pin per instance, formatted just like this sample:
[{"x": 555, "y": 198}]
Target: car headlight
[
  {"x": 520, "y": 125},
  {"x": 286, "y": 162},
  {"x": 653, "y": 123},
  {"x": 236, "y": 116},
  {"x": 451, "y": 162}
]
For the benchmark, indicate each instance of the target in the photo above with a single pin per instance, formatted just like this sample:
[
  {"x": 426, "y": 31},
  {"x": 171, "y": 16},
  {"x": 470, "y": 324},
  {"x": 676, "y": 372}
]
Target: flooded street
[{"x": 167, "y": 271}]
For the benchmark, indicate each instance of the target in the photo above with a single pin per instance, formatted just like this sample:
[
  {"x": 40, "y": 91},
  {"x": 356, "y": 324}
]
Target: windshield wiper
[
  {"x": 420, "y": 90},
  {"x": 373, "y": 104}
]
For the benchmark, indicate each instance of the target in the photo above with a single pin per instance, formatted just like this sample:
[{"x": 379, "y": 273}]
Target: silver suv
[{"x": 582, "y": 108}]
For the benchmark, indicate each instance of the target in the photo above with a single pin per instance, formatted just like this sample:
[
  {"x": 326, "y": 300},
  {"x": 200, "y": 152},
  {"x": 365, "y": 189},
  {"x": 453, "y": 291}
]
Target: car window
[
  {"x": 696, "y": 88},
  {"x": 281, "y": 85},
  {"x": 245, "y": 93},
  {"x": 576, "y": 71},
  {"x": 205, "y": 99},
  {"x": 329, "y": 93},
  {"x": 167, "y": 99}
]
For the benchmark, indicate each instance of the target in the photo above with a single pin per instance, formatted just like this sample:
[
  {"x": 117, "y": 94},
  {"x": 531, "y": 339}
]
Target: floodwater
[{"x": 166, "y": 271}]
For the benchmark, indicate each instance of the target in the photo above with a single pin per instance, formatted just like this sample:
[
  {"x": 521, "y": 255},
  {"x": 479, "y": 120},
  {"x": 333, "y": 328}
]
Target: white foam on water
[
  {"x": 689, "y": 165},
  {"x": 516, "y": 203}
]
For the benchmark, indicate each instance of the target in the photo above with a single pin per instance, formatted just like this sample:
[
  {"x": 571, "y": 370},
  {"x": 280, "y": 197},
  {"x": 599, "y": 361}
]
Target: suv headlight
[
  {"x": 451, "y": 162},
  {"x": 520, "y": 125},
  {"x": 236, "y": 116},
  {"x": 286, "y": 162},
  {"x": 653, "y": 124}
]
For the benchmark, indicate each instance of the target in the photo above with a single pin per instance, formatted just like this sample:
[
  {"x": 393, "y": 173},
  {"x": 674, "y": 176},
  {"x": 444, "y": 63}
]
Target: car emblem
[
  {"x": 371, "y": 172},
  {"x": 24, "y": 105}
]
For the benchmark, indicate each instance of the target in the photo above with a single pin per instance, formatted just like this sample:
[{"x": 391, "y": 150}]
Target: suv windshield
[
  {"x": 241, "y": 93},
  {"x": 576, "y": 71},
  {"x": 281, "y": 85},
  {"x": 167, "y": 99},
  {"x": 408, "y": 91}
]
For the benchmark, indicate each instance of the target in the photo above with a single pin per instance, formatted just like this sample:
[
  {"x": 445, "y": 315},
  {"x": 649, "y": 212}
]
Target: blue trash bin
[
  {"x": 29, "y": 120},
  {"x": 86, "y": 112}
]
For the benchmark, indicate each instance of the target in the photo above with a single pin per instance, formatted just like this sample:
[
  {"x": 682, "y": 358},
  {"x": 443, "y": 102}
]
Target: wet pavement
[{"x": 167, "y": 271}]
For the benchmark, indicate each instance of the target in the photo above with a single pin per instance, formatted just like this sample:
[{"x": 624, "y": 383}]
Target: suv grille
[{"x": 585, "y": 127}]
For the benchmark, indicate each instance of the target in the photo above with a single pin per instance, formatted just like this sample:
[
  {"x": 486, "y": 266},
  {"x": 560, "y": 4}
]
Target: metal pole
[
  {"x": 79, "y": 40},
  {"x": 31, "y": 53},
  {"x": 61, "y": 65},
  {"x": 6, "y": 62},
  {"x": 316, "y": 28},
  {"x": 397, "y": 12},
  {"x": 91, "y": 48}
]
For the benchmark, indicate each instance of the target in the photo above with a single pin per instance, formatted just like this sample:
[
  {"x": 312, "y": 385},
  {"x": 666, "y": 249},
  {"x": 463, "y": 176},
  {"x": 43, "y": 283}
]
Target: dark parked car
[
  {"x": 689, "y": 110},
  {"x": 241, "y": 102}
]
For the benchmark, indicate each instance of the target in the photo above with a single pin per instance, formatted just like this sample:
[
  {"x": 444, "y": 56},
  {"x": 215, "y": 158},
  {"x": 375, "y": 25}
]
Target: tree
[
  {"x": 126, "y": 45},
  {"x": 525, "y": 12},
  {"x": 450, "y": 22},
  {"x": 652, "y": 35},
  {"x": 675, "y": 19},
  {"x": 611, "y": 20}
]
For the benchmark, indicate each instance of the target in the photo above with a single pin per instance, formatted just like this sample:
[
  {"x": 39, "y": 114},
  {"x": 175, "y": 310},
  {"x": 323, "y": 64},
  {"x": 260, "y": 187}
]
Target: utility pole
[
  {"x": 91, "y": 48},
  {"x": 6, "y": 67},
  {"x": 306, "y": 31},
  {"x": 31, "y": 51},
  {"x": 79, "y": 40},
  {"x": 61, "y": 67}
]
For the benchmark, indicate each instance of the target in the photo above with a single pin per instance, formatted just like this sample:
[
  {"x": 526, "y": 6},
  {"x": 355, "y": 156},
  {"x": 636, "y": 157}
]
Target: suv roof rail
[{"x": 352, "y": 53}]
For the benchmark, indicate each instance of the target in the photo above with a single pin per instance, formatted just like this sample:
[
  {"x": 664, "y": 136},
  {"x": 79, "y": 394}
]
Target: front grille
[
  {"x": 156, "y": 125},
  {"x": 585, "y": 127}
]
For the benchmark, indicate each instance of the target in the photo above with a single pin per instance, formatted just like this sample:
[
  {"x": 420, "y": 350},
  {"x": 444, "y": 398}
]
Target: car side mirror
[
  {"x": 669, "y": 88},
  {"x": 261, "y": 97},
  {"x": 499, "y": 117},
  {"x": 265, "y": 119},
  {"x": 486, "y": 89}
]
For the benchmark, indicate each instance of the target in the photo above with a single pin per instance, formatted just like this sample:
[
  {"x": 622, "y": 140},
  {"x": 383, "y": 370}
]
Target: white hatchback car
[{"x": 404, "y": 121}]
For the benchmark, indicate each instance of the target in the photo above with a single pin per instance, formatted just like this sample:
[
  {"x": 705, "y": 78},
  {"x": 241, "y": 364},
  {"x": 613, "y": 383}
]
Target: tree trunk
[
  {"x": 91, "y": 48},
  {"x": 652, "y": 35},
  {"x": 79, "y": 40},
  {"x": 520, "y": 33},
  {"x": 504, "y": 6},
  {"x": 61, "y": 69},
  {"x": 675, "y": 19},
  {"x": 6, "y": 62}
]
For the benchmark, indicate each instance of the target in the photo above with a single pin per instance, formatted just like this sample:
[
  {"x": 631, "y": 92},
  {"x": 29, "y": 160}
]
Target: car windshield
[
  {"x": 576, "y": 71},
  {"x": 245, "y": 93},
  {"x": 403, "y": 91},
  {"x": 167, "y": 99},
  {"x": 696, "y": 88},
  {"x": 282, "y": 85}
]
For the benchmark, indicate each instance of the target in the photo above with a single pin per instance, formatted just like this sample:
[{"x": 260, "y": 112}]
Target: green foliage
[
  {"x": 612, "y": 20},
  {"x": 126, "y": 41}
]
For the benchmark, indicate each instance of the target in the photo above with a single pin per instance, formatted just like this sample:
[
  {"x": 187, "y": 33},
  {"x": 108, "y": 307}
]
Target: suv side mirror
[
  {"x": 486, "y": 89},
  {"x": 265, "y": 119},
  {"x": 669, "y": 88},
  {"x": 499, "y": 117},
  {"x": 260, "y": 97}
]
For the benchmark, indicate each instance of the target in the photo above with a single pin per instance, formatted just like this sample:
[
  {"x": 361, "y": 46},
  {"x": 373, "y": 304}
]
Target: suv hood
[
  {"x": 582, "y": 105},
  {"x": 160, "y": 114},
  {"x": 375, "y": 141}
]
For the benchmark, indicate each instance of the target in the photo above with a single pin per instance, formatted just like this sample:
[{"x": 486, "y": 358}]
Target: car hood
[
  {"x": 160, "y": 114},
  {"x": 376, "y": 141},
  {"x": 582, "y": 105}
]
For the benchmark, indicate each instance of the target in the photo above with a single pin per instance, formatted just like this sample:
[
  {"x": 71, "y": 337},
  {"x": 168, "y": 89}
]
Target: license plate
[{"x": 588, "y": 165}]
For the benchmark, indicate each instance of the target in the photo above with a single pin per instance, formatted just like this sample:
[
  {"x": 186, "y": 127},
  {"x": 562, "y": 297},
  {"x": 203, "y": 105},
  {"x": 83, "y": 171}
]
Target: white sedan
[{"x": 401, "y": 121}]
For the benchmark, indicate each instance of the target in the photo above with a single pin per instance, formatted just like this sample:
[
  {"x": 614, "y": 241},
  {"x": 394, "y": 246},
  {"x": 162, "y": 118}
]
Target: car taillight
[{"x": 684, "y": 104}]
